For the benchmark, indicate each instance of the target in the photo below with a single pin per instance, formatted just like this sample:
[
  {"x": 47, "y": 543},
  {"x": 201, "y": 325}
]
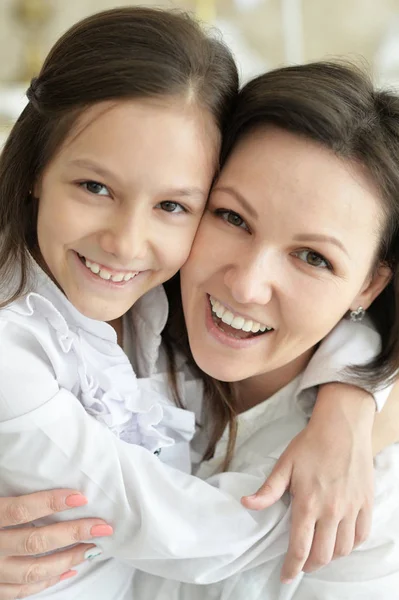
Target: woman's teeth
[
  {"x": 107, "y": 275},
  {"x": 236, "y": 321}
]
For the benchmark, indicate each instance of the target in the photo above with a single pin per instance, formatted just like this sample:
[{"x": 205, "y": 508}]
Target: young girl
[{"x": 103, "y": 183}]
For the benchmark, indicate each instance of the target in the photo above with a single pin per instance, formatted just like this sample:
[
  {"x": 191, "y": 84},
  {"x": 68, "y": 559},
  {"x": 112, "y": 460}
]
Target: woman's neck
[{"x": 257, "y": 389}]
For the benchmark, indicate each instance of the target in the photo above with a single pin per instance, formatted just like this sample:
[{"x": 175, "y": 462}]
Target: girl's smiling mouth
[{"x": 107, "y": 273}]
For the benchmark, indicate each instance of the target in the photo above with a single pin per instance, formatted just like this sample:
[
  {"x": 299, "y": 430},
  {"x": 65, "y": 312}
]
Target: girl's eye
[
  {"x": 314, "y": 259},
  {"x": 95, "y": 188},
  {"x": 232, "y": 218},
  {"x": 172, "y": 207}
]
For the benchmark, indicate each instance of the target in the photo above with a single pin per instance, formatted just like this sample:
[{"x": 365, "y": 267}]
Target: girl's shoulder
[{"x": 35, "y": 357}]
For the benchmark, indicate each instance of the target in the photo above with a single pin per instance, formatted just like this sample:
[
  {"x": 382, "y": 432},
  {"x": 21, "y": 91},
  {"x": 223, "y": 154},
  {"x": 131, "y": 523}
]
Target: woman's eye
[
  {"x": 95, "y": 188},
  {"x": 172, "y": 207},
  {"x": 314, "y": 259},
  {"x": 232, "y": 218}
]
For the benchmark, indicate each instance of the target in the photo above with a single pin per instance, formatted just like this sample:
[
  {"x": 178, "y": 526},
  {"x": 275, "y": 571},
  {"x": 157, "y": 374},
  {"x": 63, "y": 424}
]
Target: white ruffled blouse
[{"x": 74, "y": 414}]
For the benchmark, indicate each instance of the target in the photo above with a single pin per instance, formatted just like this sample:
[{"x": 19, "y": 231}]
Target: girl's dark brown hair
[
  {"x": 125, "y": 53},
  {"x": 335, "y": 105}
]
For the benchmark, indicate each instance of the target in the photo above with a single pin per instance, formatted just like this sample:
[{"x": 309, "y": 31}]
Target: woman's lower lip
[
  {"x": 108, "y": 283},
  {"x": 224, "y": 338}
]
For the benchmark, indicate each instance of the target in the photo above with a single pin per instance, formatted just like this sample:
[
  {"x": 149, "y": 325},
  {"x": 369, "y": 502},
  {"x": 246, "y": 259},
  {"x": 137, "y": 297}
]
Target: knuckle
[
  {"x": 15, "y": 513},
  {"x": 321, "y": 561},
  {"x": 36, "y": 572},
  {"x": 341, "y": 551},
  {"x": 54, "y": 504},
  {"x": 78, "y": 532},
  {"x": 318, "y": 559},
  {"x": 35, "y": 543},
  {"x": 333, "y": 510},
  {"x": 299, "y": 554},
  {"x": 24, "y": 591},
  {"x": 308, "y": 506}
]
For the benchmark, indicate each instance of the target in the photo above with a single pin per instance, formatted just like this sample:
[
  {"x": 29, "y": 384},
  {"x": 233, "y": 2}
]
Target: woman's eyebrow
[
  {"x": 318, "y": 237},
  {"x": 239, "y": 197}
]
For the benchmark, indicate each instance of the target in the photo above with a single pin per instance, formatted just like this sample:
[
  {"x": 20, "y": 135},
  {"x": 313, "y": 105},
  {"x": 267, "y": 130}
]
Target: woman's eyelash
[
  {"x": 231, "y": 217},
  {"x": 313, "y": 259}
]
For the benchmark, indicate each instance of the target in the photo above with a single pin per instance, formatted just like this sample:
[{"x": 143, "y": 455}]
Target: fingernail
[
  {"x": 92, "y": 553},
  {"x": 75, "y": 500},
  {"x": 286, "y": 580},
  {"x": 101, "y": 530},
  {"x": 68, "y": 575}
]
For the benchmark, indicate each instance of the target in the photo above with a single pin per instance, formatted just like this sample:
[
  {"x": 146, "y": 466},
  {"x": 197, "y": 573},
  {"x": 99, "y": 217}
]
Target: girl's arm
[{"x": 165, "y": 521}]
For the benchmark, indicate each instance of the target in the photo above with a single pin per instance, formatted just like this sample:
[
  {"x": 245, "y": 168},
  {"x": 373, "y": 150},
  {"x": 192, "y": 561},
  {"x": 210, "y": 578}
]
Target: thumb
[{"x": 273, "y": 488}]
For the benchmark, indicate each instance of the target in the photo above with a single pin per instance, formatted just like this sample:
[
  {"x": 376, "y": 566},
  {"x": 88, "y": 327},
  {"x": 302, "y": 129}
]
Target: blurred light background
[{"x": 262, "y": 34}]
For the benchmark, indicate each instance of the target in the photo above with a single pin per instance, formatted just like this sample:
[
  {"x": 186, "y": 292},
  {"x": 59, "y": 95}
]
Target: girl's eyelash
[
  {"x": 87, "y": 182},
  {"x": 165, "y": 204}
]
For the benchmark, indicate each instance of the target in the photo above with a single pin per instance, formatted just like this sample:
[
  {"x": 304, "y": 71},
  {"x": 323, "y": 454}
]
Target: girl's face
[
  {"x": 285, "y": 248},
  {"x": 120, "y": 203}
]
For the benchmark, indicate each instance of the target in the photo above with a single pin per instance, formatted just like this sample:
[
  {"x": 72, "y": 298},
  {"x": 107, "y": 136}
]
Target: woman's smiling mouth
[{"x": 234, "y": 326}]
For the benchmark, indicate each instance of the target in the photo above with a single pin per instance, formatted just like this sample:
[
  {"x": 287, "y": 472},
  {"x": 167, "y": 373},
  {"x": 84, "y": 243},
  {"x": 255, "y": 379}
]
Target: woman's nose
[{"x": 250, "y": 281}]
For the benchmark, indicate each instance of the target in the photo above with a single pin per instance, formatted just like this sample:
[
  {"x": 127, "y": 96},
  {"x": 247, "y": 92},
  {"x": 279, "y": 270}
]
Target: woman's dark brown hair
[
  {"x": 125, "y": 53},
  {"x": 335, "y": 105}
]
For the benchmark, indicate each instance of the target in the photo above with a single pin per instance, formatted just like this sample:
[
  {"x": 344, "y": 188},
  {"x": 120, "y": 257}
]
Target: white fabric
[
  {"x": 371, "y": 572},
  {"x": 348, "y": 344},
  {"x": 56, "y": 367}
]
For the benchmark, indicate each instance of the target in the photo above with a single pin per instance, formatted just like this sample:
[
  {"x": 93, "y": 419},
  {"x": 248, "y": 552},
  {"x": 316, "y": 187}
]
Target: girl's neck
[
  {"x": 257, "y": 389},
  {"x": 117, "y": 324}
]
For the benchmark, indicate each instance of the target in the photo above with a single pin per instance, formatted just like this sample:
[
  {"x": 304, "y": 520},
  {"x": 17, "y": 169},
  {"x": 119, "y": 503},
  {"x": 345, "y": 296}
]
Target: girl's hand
[
  {"x": 21, "y": 572},
  {"x": 328, "y": 470}
]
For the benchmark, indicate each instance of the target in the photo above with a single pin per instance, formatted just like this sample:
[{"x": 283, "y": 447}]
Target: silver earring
[{"x": 357, "y": 315}]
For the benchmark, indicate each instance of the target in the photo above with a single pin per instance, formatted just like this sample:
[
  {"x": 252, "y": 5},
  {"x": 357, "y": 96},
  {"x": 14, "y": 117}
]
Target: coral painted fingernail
[
  {"x": 101, "y": 530},
  {"x": 68, "y": 575},
  {"x": 75, "y": 500},
  {"x": 92, "y": 553}
]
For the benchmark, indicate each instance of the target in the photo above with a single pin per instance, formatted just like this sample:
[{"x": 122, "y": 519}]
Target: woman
[
  {"x": 305, "y": 265},
  {"x": 301, "y": 229}
]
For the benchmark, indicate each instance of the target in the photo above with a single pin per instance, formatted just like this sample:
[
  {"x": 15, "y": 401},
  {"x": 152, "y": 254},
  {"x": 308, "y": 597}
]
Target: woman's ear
[{"x": 377, "y": 282}]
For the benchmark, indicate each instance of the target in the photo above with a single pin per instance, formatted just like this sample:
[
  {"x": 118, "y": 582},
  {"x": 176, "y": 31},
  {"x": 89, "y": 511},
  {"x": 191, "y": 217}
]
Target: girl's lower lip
[
  {"x": 223, "y": 337},
  {"x": 92, "y": 277}
]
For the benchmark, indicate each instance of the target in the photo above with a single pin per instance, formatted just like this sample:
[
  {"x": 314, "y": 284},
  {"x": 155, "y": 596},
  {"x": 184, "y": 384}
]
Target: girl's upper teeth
[
  {"x": 107, "y": 275},
  {"x": 236, "y": 321}
]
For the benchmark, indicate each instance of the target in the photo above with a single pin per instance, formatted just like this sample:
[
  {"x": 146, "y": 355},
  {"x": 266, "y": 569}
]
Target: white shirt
[
  {"x": 73, "y": 414},
  {"x": 371, "y": 572}
]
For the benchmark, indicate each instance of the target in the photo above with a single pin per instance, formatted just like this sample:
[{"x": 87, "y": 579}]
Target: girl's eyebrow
[
  {"x": 183, "y": 192},
  {"x": 317, "y": 237},
  {"x": 92, "y": 166},
  {"x": 239, "y": 197}
]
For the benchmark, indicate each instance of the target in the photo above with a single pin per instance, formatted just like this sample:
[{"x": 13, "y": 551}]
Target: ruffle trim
[{"x": 138, "y": 411}]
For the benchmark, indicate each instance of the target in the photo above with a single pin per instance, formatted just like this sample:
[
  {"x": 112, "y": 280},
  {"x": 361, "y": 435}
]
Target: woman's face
[
  {"x": 120, "y": 203},
  {"x": 286, "y": 247}
]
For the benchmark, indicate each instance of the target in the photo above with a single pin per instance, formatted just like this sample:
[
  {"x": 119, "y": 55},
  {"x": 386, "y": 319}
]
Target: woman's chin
[{"x": 219, "y": 368}]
